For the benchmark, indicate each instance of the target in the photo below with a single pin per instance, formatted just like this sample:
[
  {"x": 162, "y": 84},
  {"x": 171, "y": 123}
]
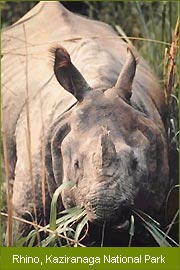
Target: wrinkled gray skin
[{"x": 104, "y": 130}]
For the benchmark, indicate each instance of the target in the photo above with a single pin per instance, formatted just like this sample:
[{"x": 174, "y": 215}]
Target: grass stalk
[
  {"x": 172, "y": 63},
  {"x": 28, "y": 131},
  {"x": 43, "y": 175},
  {"x": 42, "y": 228},
  {"x": 8, "y": 193}
]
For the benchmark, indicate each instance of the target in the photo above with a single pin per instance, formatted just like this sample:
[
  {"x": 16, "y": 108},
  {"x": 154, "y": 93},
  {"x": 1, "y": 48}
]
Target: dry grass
[
  {"x": 170, "y": 61},
  {"x": 8, "y": 194}
]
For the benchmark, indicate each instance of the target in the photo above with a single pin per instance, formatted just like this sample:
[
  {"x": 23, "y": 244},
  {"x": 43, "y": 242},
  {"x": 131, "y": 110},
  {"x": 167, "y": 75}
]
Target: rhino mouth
[
  {"x": 106, "y": 213},
  {"x": 122, "y": 226}
]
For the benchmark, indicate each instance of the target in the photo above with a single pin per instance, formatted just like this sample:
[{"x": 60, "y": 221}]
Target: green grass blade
[
  {"x": 20, "y": 242},
  {"x": 32, "y": 236},
  {"x": 146, "y": 216},
  {"x": 131, "y": 230},
  {"x": 49, "y": 241},
  {"x": 53, "y": 212},
  {"x": 80, "y": 227},
  {"x": 151, "y": 225},
  {"x": 157, "y": 235}
]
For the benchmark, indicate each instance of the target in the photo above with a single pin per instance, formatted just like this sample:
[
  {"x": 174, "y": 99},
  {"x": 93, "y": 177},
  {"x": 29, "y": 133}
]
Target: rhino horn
[
  {"x": 124, "y": 83},
  {"x": 68, "y": 75},
  {"x": 107, "y": 147}
]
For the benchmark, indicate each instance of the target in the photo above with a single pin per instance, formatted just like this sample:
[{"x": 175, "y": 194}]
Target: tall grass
[{"x": 153, "y": 28}]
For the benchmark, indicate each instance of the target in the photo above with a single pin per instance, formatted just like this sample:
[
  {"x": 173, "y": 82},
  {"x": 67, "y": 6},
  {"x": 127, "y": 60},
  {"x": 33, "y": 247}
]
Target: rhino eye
[
  {"x": 76, "y": 164},
  {"x": 134, "y": 164}
]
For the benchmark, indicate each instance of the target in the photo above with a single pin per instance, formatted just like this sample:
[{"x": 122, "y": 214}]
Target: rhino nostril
[
  {"x": 76, "y": 164},
  {"x": 90, "y": 211},
  {"x": 90, "y": 207}
]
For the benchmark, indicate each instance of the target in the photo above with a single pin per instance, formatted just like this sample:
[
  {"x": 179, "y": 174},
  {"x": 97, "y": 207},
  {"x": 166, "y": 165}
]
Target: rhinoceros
[{"x": 93, "y": 114}]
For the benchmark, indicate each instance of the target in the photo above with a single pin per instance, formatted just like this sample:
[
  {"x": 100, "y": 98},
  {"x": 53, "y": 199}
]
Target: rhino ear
[
  {"x": 124, "y": 83},
  {"x": 68, "y": 75}
]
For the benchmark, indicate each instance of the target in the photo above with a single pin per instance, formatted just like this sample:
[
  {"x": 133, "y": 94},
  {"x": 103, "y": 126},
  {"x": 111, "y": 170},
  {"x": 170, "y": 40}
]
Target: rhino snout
[{"x": 105, "y": 209}]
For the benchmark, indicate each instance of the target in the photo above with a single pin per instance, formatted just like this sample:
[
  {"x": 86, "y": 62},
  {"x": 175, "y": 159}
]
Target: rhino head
[{"x": 110, "y": 149}]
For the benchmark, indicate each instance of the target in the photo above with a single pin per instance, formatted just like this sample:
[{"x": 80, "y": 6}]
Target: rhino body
[{"x": 91, "y": 128}]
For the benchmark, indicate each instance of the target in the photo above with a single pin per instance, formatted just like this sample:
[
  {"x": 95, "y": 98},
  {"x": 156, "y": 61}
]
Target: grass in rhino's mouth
[{"x": 71, "y": 228}]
